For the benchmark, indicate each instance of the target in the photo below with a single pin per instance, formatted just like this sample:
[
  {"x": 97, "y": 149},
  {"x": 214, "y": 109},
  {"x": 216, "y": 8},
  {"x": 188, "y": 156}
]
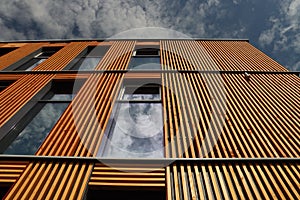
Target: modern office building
[{"x": 147, "y": 119}]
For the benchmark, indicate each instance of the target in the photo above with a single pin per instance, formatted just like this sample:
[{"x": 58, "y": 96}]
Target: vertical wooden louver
[
  {"x": 77, "y": 133},
  {"x": 246, "y": 129},
  {"x": 18, "y": 54},
  {"x": 253, "y": 118},
  {"x": 19, "y": 93}
]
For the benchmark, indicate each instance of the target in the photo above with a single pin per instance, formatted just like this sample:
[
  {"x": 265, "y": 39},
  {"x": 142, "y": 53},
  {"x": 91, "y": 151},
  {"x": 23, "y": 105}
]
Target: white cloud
[
  {"x": 69, "y": 19},
  {"x": 63, "y": 19},
  {"x": 283, "y": 36}
]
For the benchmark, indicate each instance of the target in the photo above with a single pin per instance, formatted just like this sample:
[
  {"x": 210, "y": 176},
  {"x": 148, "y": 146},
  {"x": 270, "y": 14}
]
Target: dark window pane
[
  {"x": 4, "y": 51},
  {"x": 147, "y": 52},
  {"x": 86, "y": 64},
  {"x": 28, "y": 66},
  {"x": 97, "y": 51},
  {"x": 32, "y": 136},
  {"x": 144, "y": 63},
  {"x": 137, "y": 132},
  {"x": 49, "y": 51},
  {"x": 39, "y": 61},
  {"x": 4, "y": 84}
]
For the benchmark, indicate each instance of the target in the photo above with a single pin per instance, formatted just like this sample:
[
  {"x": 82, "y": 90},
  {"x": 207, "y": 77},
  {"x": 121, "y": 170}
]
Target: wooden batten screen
[
  {"x": 77, "y": 133},
  {"x": 235, "y": 180},
  {"x": 240, "y": 55},
  {"x": 225, "y": 116},
  {"x": 19, "y": 93},
  {"x": 18, "y": 54},
  {"x": 138, "y": 176},
  {"x": 10, "y": 172}
]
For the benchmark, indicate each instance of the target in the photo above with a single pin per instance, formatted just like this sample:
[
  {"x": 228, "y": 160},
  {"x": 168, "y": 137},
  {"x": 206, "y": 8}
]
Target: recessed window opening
[
  {"x": 6, "y": 50},
  {"x": 39, "y": 58},
  {"x": 28, "y": 134},
  {"x": 147, "y": 52},
  {"x": 5, "y": 84},
  {"x": 91, "y": 58},
  {"x": 136, "y": 124},
  {"x": 145, "y": 57},
  {"x": 136, "y": 93}
]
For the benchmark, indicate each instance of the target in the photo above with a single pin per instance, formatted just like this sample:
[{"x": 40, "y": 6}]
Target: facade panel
[{"x": 230, "y": 122}]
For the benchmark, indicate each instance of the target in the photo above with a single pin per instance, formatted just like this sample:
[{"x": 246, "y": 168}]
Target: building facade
[{"x": 150, "y": 119}]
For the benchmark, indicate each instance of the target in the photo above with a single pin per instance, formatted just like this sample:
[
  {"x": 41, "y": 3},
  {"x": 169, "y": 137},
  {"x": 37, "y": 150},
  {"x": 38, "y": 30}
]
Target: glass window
[
  {"x": 38, "y": 58},
  {"x": 143, "y": 62},
  {"x": 29, "y": 133},
  {"x": 6, "y": 50},
  {"x": 145, "y": 58},
  {"x": 136, "y": 130},
  {"x": 35, "y": 131},
  {"x": 5, "y": 84},
  {"x": 90, "y": 59}
]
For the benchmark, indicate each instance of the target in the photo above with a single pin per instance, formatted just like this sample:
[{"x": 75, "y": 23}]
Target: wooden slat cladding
[
  {"x": 260, "y": 119},
  {"x": 77, "y": 133},
  {"x": 10, "y": 171},
  {"x": 13, "y": 44},
  {"x": 240, "y": 55},
  {"x": 18, "y": 54},
  {"x": 193, "y": 101},
  {"x": 262, "y": 180},
  {"x": 117, "y": 57},
  {"x": 19, "y": 93},
  {"x": 127, "y": 176},
  {"x": 8, "y": 77},
  {"x": 63, "y": 57}
]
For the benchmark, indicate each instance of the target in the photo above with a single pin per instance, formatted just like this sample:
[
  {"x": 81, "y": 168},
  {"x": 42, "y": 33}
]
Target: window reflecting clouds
[
  {"x": 32, "y": 136},
  {"x": 138, "y": 131}
]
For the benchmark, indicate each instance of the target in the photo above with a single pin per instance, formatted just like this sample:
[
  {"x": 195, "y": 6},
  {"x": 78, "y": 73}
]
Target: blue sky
[{"x": 273, "y": 26}]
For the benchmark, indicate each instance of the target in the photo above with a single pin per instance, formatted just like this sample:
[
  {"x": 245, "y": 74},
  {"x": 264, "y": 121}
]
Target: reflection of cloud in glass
[
  {"x": 32, "y": 136},
  {"x": 138, "y": 131},
  {"x": 89, "y": 63}
]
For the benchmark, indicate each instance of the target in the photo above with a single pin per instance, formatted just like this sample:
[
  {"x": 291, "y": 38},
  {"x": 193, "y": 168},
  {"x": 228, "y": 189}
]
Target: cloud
[
  {"x": 283, "y": 36},
  {"x": 74, "y": 19},
  {"x": 272, "y": 25}
]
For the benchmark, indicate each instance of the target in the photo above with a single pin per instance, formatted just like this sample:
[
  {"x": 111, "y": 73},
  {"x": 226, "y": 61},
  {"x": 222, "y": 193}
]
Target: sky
[{"x": 273, "y": 26}]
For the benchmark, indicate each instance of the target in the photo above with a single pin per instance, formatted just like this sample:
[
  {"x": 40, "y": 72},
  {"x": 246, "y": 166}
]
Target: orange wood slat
[
  {"x": 211, "y": 181},
  {"x": 237, "y": 53},
  {"x": 13, "y": 44},
  {"x": 8, "y": 77},
  {"x": 10, "y": 171},
  {"x": 77, "y": 133},
  {"x": 71, "y": 76},
  {"x": 16, "y": 55},
  {"x": 21, "y": 91},
  {"x": 130, "y": 176},
  {"x": 261, "y": 120},
  {"x": 63, "y": 57}
]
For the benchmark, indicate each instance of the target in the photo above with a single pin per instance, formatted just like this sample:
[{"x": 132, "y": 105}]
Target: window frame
[
  {"x": 77, "y": 62},
  {"x": 136, "y": 55},
  {"x": 35, "y": 105},
  {"x": 102, "y": 150},
  {"x": 33, "y": 60}
]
